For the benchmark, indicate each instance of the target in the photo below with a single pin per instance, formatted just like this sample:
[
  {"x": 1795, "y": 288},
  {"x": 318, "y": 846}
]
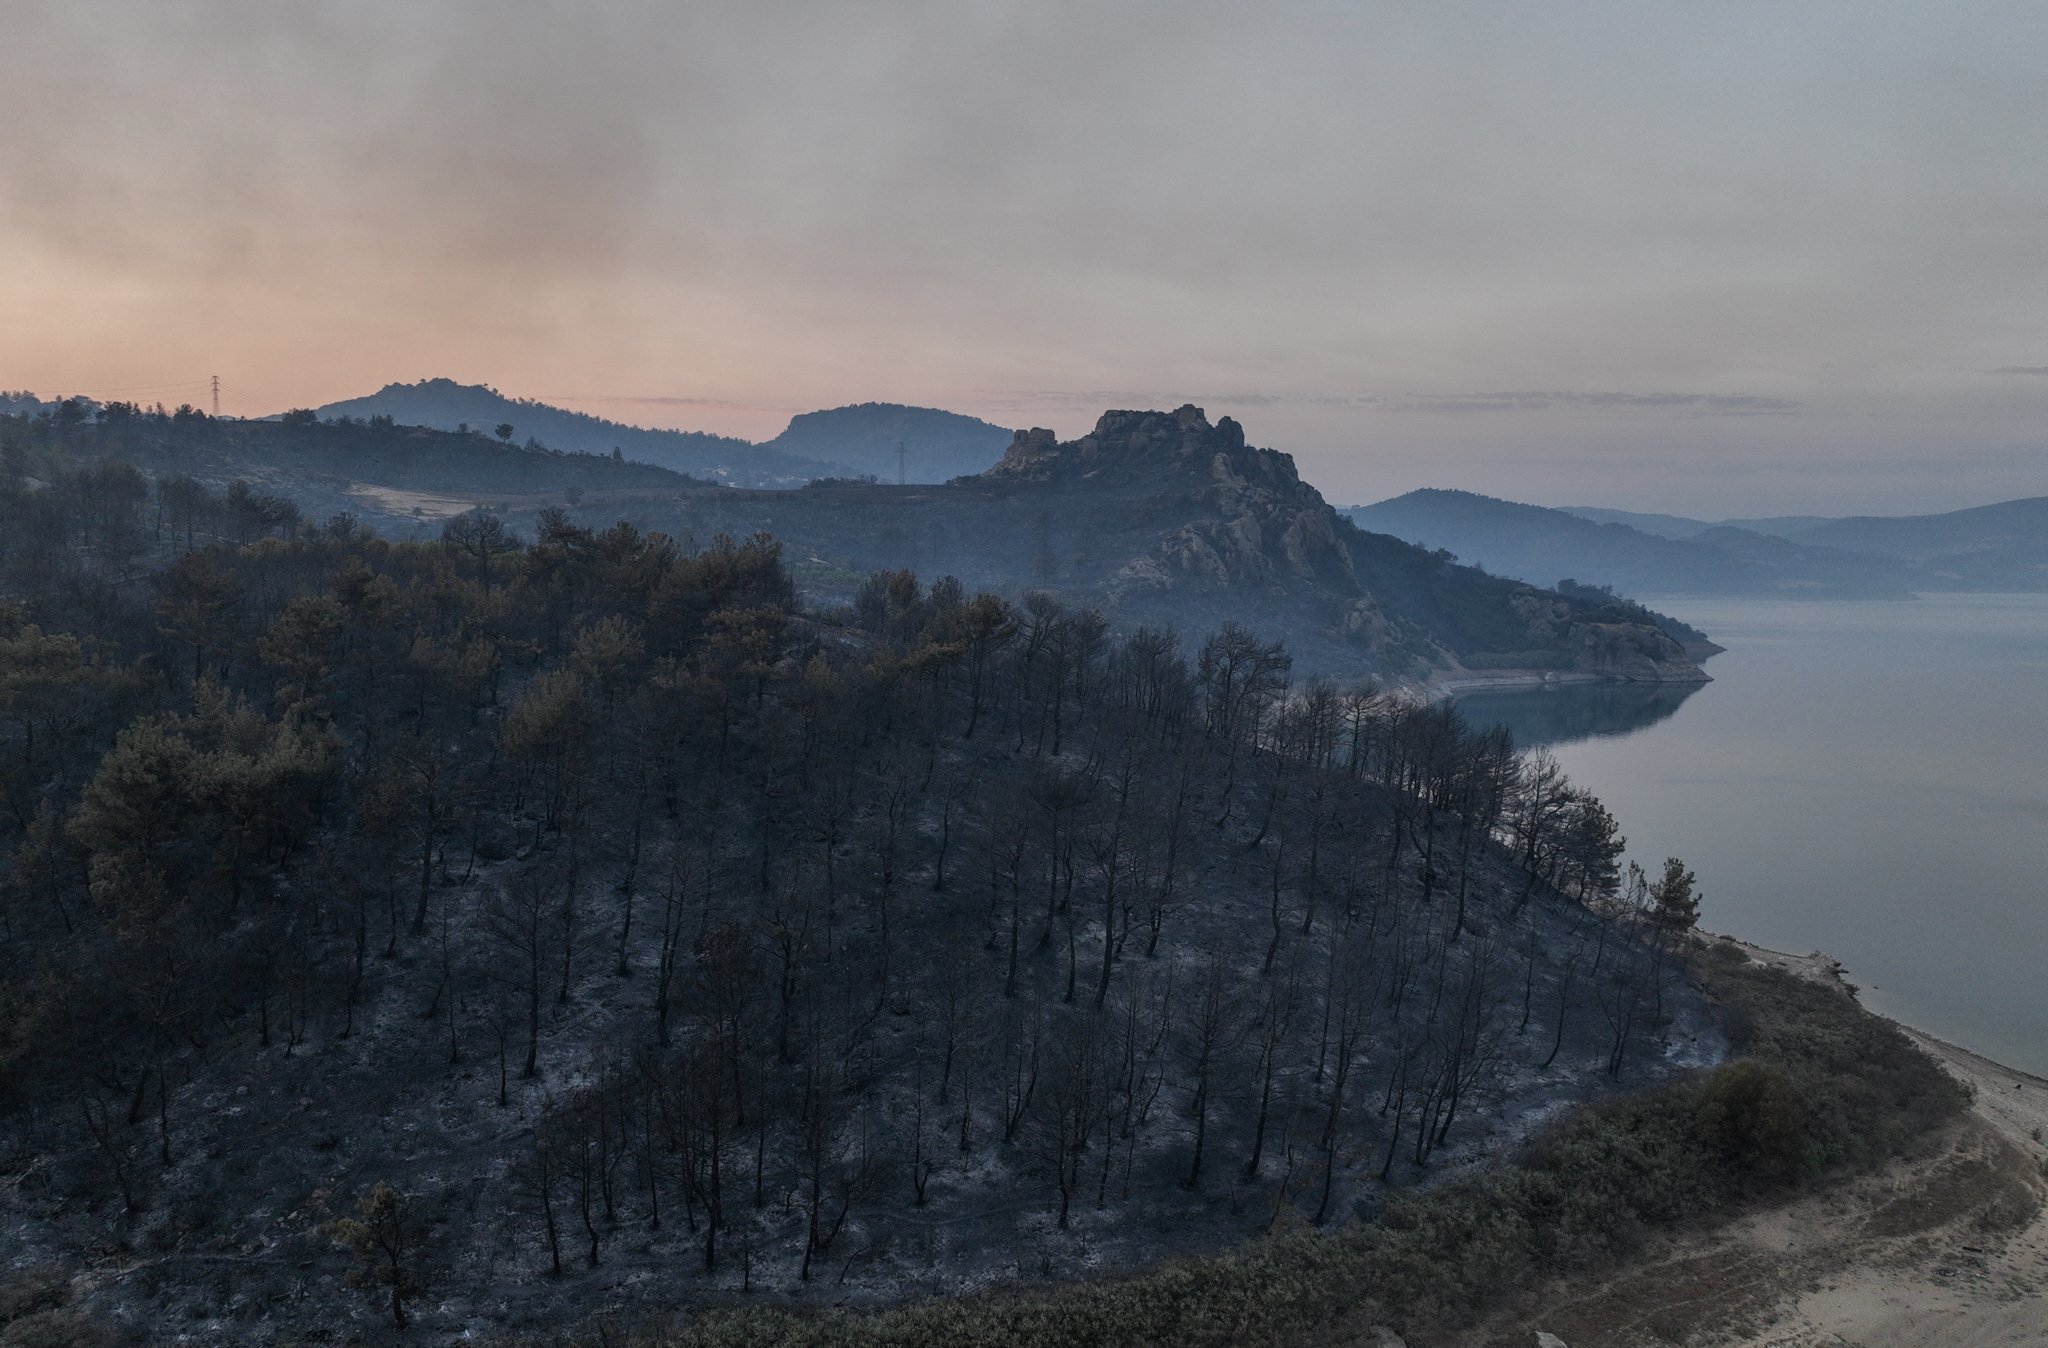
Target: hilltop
[
  {"x": 443, "y": 404},
  {"x": 937, "y": 445}
]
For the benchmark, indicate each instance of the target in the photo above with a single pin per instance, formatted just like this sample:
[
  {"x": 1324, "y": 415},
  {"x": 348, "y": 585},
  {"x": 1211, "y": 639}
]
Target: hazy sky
[{"x": 1715, "y": 258}]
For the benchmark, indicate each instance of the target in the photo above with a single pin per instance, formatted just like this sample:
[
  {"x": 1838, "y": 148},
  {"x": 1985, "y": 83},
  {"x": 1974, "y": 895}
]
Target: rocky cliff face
[
  {"x": 1176, "y": 452},
  {"x": 1257, "y": 521}
]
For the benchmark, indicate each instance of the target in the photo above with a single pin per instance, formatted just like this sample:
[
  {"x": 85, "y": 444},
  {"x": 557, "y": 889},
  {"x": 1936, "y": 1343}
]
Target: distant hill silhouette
[
  {"x": 443, "y": 404},
  {"x": 1679, "y": 526},
  {"x": 1999, "y": 546},
  {"x": 854, "y": 441},
  {"x": 401, "y": 478},
  {"x": 1991, "y": 547},
  {"x": 937, "y": 445},
  {"x": 1542, "y": 545}
]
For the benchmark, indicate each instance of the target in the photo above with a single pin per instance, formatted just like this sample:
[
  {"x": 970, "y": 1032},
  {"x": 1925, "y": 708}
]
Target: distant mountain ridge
[
  {"x": 1543, "y": 545},
  {"x": 1679, "y": 526},
  {"x": 853, "y": 441},
  {"x": 444, "y": 405},
  {"x": 1999, "y": 546},
  {"x": 2003, "y": 546}
]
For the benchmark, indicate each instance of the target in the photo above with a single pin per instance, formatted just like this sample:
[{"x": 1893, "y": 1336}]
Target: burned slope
[{"x": 650, "y": 940}]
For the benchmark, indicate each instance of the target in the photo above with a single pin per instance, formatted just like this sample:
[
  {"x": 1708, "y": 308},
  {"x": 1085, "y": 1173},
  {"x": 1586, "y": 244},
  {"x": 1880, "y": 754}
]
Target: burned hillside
[{"x": 652, "y": 940}]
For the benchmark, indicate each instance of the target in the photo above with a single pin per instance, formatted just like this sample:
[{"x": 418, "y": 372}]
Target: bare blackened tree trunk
[
  {"x": 820, "y": 1150},
  {"x": 1397, "y": 1101},
  {"x": 1108, "y": 855},
  {"x": 544, "y": 1172},
  {"x": 1021, "y": 1081},
  {"x": 921, "y": 1164},
  {"x": 101, "y": 1127},
  {"x": 571, "y": 899},
  {"x": 1564, "y": 1001},
  {"x": 517, "y": 920},
  {"x": 1276, "y": 860},
  {"x": 428, "y": 771},
  {"x": 1073, "y": 1110},
  {"x": 1006, "y": 856},
  {"x": 585, "y": 1182},
  {"x": 362, "y": 949},
  {"x": 1312, "y": 881},
  {"x": 1174, "y": 831},
  {"x": 1350, "y": 1019},
  {"x": 895, "y": 817},
  {"x": 669, "y": 947},
  {"x": 714, "y": 1188},
  {"x": 1275, "y": 1022},
  {"x": 1204, "y": 1038}
]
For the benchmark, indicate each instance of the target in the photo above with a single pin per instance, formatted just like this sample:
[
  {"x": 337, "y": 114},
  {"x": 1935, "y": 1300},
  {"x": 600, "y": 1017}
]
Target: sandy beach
[{"x": 1946, "y": 1247}]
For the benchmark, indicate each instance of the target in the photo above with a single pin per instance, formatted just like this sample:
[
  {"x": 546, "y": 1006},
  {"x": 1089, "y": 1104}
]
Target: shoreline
[
  {"x": 1948, "y": 1247},
  {"x": 1823, "y": 967},
  {"x": 1473, "y": 681},
  {"x": 1945, "y": 1243}
]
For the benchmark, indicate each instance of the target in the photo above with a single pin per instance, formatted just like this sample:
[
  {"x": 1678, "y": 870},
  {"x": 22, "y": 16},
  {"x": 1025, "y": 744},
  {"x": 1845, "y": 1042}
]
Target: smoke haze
[{"x": 1728, "y": 259}]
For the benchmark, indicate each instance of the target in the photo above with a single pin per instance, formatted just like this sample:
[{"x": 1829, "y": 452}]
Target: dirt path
[
  {"x": 1944, "y": 1248},
  {"x": 1959, "y": 1281}
]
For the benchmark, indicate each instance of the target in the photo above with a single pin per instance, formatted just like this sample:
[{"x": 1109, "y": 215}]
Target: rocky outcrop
[
  {"x": 1178, "y": 444},
  {"x": 1602, "y": 644},
  {"x": 1258, "y": 522},
  {"x": 1238, "y": 519}
]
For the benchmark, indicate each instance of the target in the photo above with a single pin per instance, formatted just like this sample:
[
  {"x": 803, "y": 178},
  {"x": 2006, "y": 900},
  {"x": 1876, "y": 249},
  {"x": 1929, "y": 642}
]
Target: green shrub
[
  {"x": 1868, "y": 1088},
  {"x": 1755, "y": 1115}
]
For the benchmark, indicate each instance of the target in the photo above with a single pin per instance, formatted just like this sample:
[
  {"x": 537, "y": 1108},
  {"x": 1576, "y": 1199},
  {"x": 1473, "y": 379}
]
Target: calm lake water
[{"x": 1868, "y": 779}]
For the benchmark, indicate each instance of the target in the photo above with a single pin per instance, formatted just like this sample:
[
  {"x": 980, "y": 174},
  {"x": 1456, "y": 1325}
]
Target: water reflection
[
  {"x": 1567, "y": 713},
  {"x": 1860, "y": 778}
]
